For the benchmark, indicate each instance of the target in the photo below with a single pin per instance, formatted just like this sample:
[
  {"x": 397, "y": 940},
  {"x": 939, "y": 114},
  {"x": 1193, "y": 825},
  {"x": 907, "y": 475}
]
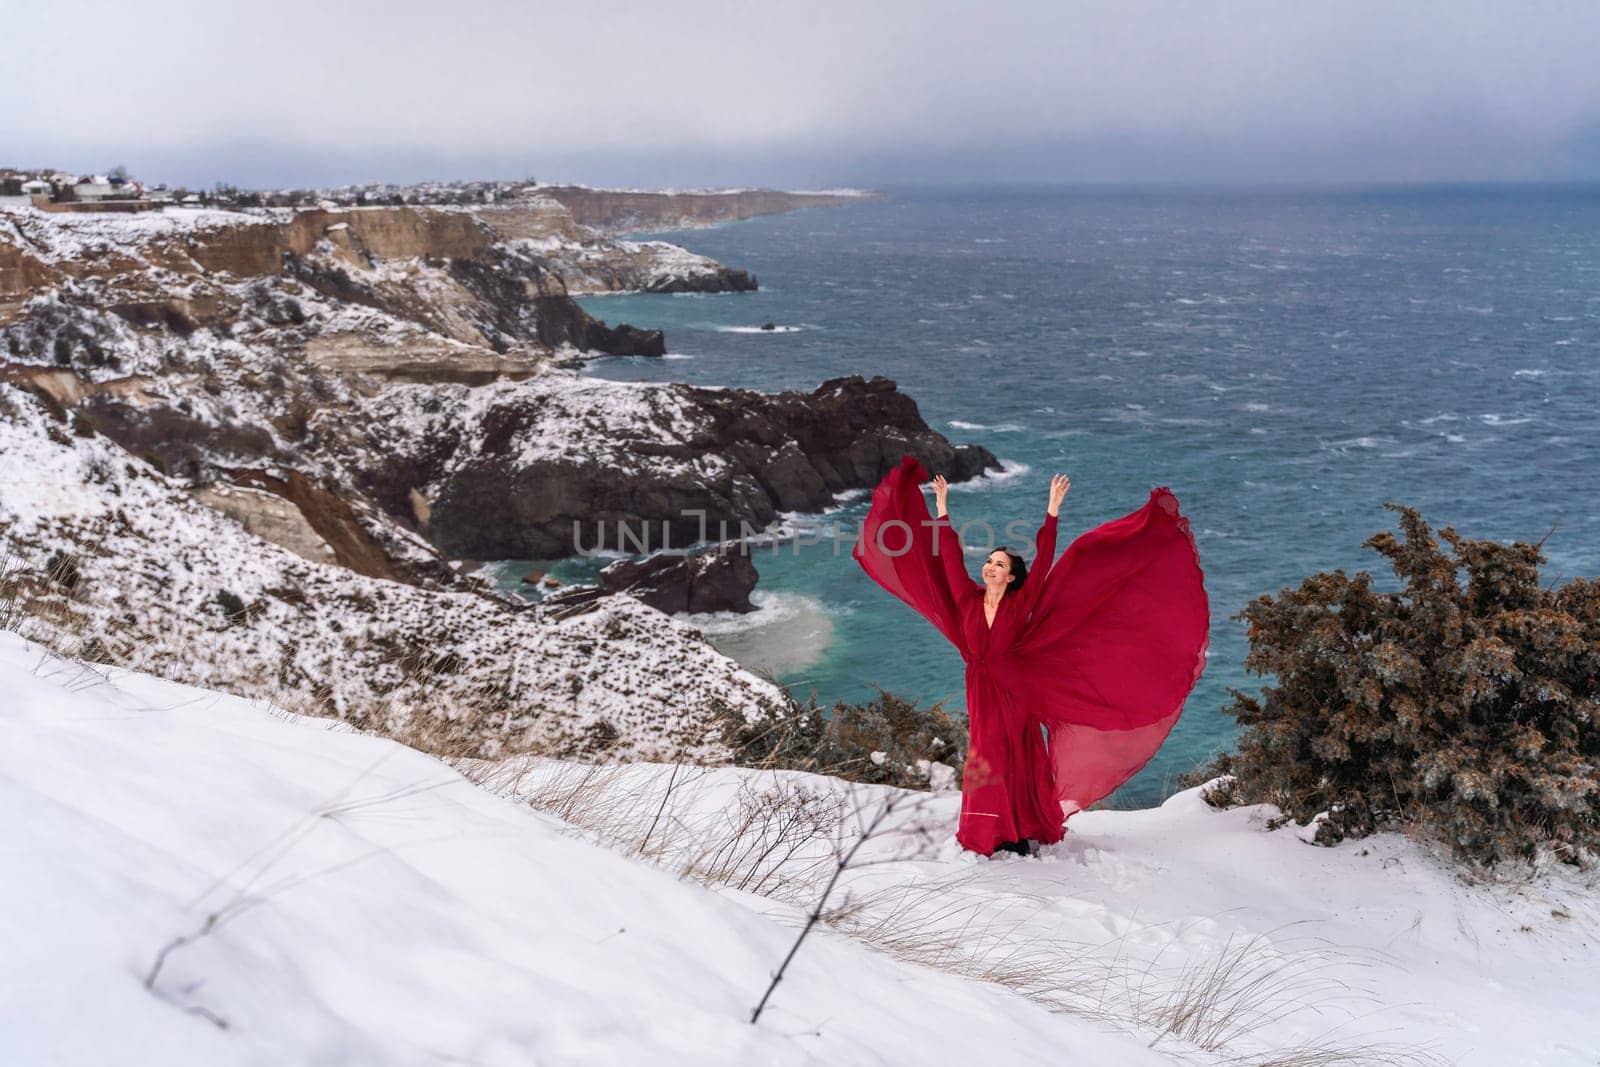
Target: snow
[
  {"x": 153, "y": 560},
  {"x": 56, "y": 237},
  {"x": 373, "y": 907},
  {"x": 570, "y": 417},
  {"x": 1377, "y": 947},
  {"x": 604, "y": 265}
]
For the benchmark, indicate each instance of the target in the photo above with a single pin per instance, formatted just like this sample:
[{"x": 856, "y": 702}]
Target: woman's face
[{"x": 997, "y": 569}]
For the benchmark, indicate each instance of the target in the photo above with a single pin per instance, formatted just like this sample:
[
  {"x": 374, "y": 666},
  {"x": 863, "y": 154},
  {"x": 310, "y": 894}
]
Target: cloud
[{"x": 1136, "y": 90}]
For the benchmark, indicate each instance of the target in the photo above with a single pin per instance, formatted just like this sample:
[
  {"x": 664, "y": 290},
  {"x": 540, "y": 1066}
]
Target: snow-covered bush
[{"x": 1463, "y": 704}]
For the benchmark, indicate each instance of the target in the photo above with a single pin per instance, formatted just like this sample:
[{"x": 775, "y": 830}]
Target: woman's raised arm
[
  {"x": 947, "y": 545},
  {"x": 1044, "y": 542}
]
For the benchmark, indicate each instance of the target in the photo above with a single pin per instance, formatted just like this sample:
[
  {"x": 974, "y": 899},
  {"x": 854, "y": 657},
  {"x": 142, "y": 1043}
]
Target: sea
[{"x": 1286, "y": 361}]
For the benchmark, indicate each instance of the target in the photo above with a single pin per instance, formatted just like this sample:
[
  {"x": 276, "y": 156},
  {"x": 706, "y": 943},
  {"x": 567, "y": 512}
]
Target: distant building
[
  {"x": 35, "y": 187},
  {"x": 97, "y": 187}
]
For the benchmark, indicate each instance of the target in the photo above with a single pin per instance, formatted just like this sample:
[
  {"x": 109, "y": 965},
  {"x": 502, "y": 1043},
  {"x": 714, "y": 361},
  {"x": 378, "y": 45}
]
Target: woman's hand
[
  {"x": 1058, "y": 492},
  {"x": 940, "y": 489}
]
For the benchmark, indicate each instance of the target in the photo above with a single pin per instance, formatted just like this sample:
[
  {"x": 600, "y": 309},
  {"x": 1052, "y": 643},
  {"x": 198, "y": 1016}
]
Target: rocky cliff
[
  {"x": 528, "y": 470},
  {"x": 590, "y": 261},
  {"x": 266, "y": 440}
]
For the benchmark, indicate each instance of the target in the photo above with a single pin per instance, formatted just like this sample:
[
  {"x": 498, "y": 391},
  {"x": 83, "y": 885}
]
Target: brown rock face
[
  {"x": 386, "y": 233},
  {"x": 19, "y": 274},
  {"x": 336, "y": 522}
]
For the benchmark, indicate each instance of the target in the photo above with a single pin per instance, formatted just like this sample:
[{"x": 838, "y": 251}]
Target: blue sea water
[{"x": 1285, "y": 361}]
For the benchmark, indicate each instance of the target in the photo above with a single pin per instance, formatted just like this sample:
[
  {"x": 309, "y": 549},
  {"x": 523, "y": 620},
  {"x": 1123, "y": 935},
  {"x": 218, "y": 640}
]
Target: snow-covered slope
[
  {"x": 194, "y": 879},
  {"x": 191, "y": 879},
  {"x": 1215, "y": 939},
  {"x": 453, "y": 671}
]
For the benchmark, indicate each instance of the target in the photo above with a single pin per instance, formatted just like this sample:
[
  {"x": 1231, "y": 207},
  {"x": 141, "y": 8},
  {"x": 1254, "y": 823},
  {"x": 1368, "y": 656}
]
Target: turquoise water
[{"x": 1285, "y": 362}]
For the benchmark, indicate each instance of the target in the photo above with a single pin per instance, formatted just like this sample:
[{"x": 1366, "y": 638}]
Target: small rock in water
[
  {"x": 532, "y": 577},
  {"x": 769, "y": 326},
  {"x": 551, "y": 582}
]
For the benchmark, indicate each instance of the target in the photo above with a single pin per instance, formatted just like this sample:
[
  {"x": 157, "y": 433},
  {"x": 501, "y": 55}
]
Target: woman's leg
[
  {"x": 987, "y": 812},
  {"x": 1037, "y": 814}
]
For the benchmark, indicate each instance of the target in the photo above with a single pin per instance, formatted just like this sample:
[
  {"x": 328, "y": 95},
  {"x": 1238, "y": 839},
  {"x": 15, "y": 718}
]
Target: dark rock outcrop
[
  {"x": 723, "y": 280},
  {"x": 719, "y": 579},
  {"x": 563, "y": 322},
  {"x": 743, "y": 458}
]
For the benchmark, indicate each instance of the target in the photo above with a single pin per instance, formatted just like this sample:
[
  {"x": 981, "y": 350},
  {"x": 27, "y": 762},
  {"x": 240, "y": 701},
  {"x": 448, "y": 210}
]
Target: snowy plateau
[{"x": 198, "y": 878}]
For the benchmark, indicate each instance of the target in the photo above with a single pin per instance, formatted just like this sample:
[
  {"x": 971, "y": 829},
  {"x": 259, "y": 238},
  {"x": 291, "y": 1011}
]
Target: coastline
[{"x": 332, "y": 412}]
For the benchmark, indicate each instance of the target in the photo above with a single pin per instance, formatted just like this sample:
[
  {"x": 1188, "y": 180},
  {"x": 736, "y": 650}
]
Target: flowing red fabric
[{"x": 1100, "y": 650}]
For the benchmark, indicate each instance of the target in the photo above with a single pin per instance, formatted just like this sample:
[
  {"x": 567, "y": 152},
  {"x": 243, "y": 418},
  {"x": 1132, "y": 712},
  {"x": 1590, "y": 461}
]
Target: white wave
[
  {"x": 1004, "y": 427},
  {"x": 759, "y": 329},
  {"x": 771, "y": 607},
  {"x": 677, "y": 355},
  {"x": 1494, "y": 419},
  {"x": 1530, "y": 372},
  {"x": 793, "y": 525},
  {"x": 1010, "y": 470},
  {"x": 1258, "y": 407},
  {"x": 1359, "y": 442},
  {"x": 1448, "y": 416},
  {"x": 786, "y": 633},
  {"x": 1455, "y": 438}
]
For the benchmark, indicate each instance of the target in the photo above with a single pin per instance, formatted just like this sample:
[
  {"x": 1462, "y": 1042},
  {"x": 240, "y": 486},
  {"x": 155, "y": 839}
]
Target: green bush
[
  {"x": 1464, "y": 704},
  {"x": 888, "y": 740}
]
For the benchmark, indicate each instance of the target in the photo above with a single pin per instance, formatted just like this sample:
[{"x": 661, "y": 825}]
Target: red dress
[{"x": 1100, "y": 650}]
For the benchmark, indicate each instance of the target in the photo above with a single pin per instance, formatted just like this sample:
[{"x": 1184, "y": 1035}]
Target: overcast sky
[{"x": 806, "y": 93}]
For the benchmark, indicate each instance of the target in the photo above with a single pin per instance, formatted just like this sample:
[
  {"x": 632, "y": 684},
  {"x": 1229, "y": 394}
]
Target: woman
[{"x": 1100, "y": 649}]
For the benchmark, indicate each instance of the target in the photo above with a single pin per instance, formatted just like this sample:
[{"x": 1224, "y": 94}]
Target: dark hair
[{"x": 1019, "y": 569}]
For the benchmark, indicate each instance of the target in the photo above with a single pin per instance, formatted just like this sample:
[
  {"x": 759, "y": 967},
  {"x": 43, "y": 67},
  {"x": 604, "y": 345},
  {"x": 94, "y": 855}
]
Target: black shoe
[{"x": 1021, "y": 848}]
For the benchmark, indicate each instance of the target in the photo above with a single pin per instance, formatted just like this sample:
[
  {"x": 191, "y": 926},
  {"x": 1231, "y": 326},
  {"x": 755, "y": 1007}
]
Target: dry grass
[
  {"x": 784, "y": 837},
  {"x": 1217, "y": 1003}
]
